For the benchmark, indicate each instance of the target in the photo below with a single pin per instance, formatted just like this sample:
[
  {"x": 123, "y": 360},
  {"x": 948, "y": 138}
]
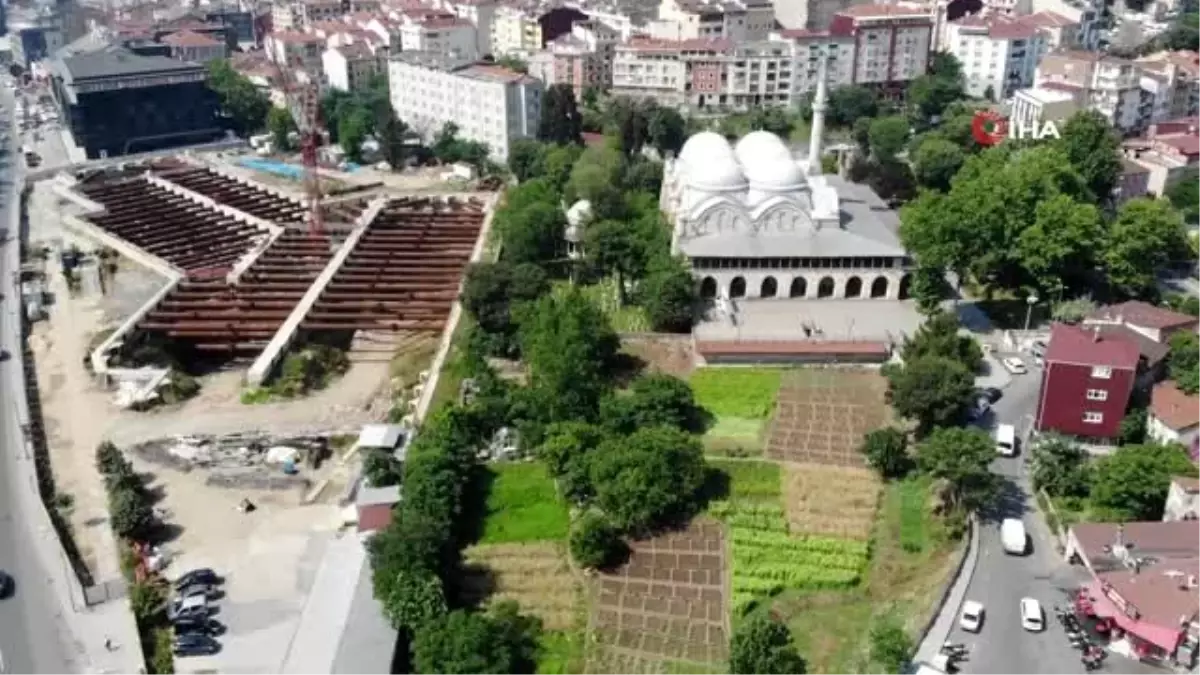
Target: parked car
[
  {"x": 6, "y": 585},
  {"x": 1031, "y": 615},
  {"x": 992, "y": 394},
  {"x": 1014, "y": 365},
  {"x": 196, "y": 645},
  {"x": 202, "y": 575},
  {"x": 210, "y": 627},
  {"x": 209, "y": 591},
  {"x": 188, "y": 608},
  {"x": 972, "y": 616}
]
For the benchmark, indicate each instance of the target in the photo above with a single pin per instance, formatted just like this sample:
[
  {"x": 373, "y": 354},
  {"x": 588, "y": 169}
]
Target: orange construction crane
[{"x": 304, "y": 103}]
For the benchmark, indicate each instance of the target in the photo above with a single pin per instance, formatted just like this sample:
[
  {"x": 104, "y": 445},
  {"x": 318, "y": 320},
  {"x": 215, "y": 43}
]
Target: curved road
[{"x": 30, "y": 618}]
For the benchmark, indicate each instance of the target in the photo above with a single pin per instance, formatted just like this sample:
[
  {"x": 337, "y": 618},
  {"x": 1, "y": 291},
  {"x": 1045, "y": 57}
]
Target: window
[
  {"x": 1097, "y": 395},
  {"x": 1093, "y": 417},
  {"x": 1101, "y": 372}
]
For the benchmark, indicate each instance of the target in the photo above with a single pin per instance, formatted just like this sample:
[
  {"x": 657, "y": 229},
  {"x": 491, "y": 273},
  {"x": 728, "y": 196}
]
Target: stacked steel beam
[{"x": 230, "y": 192}]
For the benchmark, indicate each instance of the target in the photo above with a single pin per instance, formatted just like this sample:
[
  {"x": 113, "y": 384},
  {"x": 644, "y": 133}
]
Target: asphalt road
[
  {"x": 1001, "y": 580},
  {"x": 29, "y": 633}
]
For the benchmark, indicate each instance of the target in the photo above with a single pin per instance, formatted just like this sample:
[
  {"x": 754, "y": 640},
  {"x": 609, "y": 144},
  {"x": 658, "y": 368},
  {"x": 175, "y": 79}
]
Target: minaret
[{"x": 818, "y": 118}]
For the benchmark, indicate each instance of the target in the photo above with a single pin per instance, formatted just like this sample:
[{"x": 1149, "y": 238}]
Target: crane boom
[{"x": 303, "y": 102}]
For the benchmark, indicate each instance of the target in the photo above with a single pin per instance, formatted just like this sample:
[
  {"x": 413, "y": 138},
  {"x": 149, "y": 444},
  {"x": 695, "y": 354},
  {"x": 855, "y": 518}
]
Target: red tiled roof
[
  {"x": 1174, "y": 408},
  {"x": 1174, "y": 539},
  {"x": 1186, "y": 144},
  {"x": 1069, "y": 344},
  {"x": 1161, "y": 599},
  {"x": 187, "y": 38},
  {"x": 1142, "y": 314}
]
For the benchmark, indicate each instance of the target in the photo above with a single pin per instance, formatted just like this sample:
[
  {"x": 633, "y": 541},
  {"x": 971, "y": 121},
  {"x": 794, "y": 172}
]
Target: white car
[
  {"x": 972, "y": 616},
  {"x": 1014, "y": 365},
  {"x": 1031, "y": 615}
]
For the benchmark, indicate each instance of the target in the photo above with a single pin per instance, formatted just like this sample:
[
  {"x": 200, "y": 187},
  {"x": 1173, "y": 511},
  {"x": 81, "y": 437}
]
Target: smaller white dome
[
  {"x": 760, "y": 146},
  {"x": 781, "y": 174},
  {"x": 704, "y": 147},
  {"x": 716, "y": 176}
]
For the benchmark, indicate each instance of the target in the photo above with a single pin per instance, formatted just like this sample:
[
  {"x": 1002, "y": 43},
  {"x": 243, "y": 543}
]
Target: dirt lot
[
  {"x": 822, "y": 414},
  {"x": 672, "y": 355}
]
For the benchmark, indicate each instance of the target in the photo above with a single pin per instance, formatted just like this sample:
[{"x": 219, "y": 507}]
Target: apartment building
[
  {"x": 1039, "y": 105},
  {"x": 736, "y": 20},
  {"x": 489, "y": 104},
  {"x": 1088, "y": 14},
  {"x": 188, "y": 45},
  {"x": 351, "y": 67},
  {"x": 582, "y": 58},
  {"x": 1167, "y": 150},
  {"x": 297, "y": 14},
  {"x": 294, "y": 48},
  {"x": 999, "y": 55},
  {"x": 515, "y": 32},
  {"x": 441, "y": 34},
  {"x": 808, "y": 47},
  {"x": 1170, "y": 79},
  {"x": 1109, "y": 85},
  {"x": 481, "y": 14},
  {"x": 814, "y": 15},
  {"x": 891, "y": 43},
  {"x": 1060, "y": 32}
]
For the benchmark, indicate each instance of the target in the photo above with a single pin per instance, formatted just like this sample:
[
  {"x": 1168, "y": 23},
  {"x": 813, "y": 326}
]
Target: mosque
[{"x": 756, "y": 222}]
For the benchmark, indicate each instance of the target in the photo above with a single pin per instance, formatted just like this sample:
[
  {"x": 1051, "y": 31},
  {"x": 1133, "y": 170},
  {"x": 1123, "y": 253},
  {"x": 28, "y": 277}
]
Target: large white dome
[
  {"x": 705, "y": 147},
  {"x": 758, "y": 147},
  {"x": 779, "y": 174},
  {"x": 716, "y": 175}
]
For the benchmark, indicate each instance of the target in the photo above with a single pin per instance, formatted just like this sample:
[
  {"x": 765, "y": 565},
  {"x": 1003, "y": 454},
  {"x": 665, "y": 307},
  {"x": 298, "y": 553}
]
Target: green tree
[
  {"x": 1133, "y": 426},
  {"x": 280, "y": 124},
  {"x": 595, "y": 543},
  {"x": 415, "y": 597},
  {"x": 492, "y": 294},
  {"x": 667, "y": 130},
  {"x": 392, "y": 141},
  {"x": 613, "y": 247},
  {"x": 1183, "y": 361},
  {"x": 928, "y": 289},
  {"x": 381, "y": 469},
  {"x": 527, "y": 159},
  {"x": 560, "y": 120},
  {"x": 887, "y": 136},
  {"x": 668, "y": 294},
  {"x": 891, "y": 646},
  {"x": 1184, "y": 195},
  {"x": 597, "y": 170},
  {"x": 940, "y": 336},
  {"x": 532, "y": 235},
  {"x": 647, "y": 479},
  {"x": 463, "y": 642},
  {"x": 1131, "y": 483},
  {"x": 1060, "y": 467},
  {"x": 936, "y": 162},
  {"x": 242, "y": 104},
  {"x": 761, "y": 645},
  {"x": 861, "y": 133},
  {"x": 558, "y": 162},
  {"x": 352, "y": 131},
  {"x": 774, "y": 119},
  {"x": 1094, "y": 149},
  {"x": 130, "y": 514},
  {"x": 566, "y": 450},
  {"x": 1058, "y": 250},
  {"x": 1146, "y": 235},
  {"x": 961, "y": 458},
  {"x": 933, "y": 390},
  {"x": 568, "y": 346},
  {"x": 1183, "y": 303},
  {"x": 628, "y": 124},
  {"x": 109, "y": 459},
  {"x": 886, "y": 451},
  {"x": 655, "y": 399},
  {"x": 1184, "y": 33},
  {"x": 849, "y": 103},
  {"x": 513, "y": 63}
]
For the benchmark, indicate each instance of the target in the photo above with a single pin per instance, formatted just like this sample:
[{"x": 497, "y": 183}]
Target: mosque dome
[
  {"x": 758, "y": 147},
  {"x": 703, "y": 147},
  {"x": 717, "y": 175},
  {"x": 781, "y": 174}
]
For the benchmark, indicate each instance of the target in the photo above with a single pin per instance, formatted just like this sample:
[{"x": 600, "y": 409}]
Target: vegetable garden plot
[
  {"x": 666, "y": 604},
  {"x": 830, "y": 500},
  {"x": 536, "y": 575},
  {"x": 822, "y": 415}
]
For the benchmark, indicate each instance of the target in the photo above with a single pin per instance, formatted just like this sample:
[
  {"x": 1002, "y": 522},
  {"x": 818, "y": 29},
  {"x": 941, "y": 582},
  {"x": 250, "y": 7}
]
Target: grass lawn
[
  {"x": 832, "y": 627},
  {"x": 745, "y": 393},
  {"x": 523, "y": 505},
  {"x": 750, "y": 480},
  {"x": 626, "y": 318},
  {"x": 735, "y": 437},
  {"x": 560, "y": 652}
]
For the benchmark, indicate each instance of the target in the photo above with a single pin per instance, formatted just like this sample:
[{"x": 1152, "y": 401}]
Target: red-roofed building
[
  {"x": 1156, "y": 323},
  {"x": 1174, "y": 416},
  {"x": 188, "y": 45},
  {"x": 1168, "y": 150},
  {"x": 294, "y": 48},
  {"x": 1086, "y": 384}
]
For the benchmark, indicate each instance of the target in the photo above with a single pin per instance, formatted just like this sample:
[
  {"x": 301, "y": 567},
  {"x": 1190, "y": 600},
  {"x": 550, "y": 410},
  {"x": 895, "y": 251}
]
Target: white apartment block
[
  {"x": 891, "y": 43},
  {"x": 296, "y": 14},
  {"x": 1040, "y": 105},
  {"x": 1106, "y": 84},
  {"x": 351, "y": 67},
  {"x": 999, "y": 55},
  {"x": 444, "y": 34},
  {"x": 489, "y": 104},
  {"x": 515, "y": 32},
  {"x": 807, "y": 49},
  {"x": 737, "y": 20}
]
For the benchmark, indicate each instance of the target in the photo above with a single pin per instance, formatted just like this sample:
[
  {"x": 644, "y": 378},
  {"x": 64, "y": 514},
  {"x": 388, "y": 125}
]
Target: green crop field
[
  {"x": 523, "y": 505},
  {"x": 746, "y": 393}
]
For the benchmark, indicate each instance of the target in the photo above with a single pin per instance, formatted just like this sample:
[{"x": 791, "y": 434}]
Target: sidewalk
[{"x": 936, "y": 636}]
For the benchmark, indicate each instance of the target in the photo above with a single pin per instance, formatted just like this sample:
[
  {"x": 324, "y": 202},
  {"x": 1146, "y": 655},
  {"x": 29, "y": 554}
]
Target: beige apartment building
[
  {"x": 582, "y": 58},
  {"x": 515, "y": 32},
  {"x": 1109, "y": 85},
  {"x": 1171, "y": 81},
  {"x": 735, "y": 20}
]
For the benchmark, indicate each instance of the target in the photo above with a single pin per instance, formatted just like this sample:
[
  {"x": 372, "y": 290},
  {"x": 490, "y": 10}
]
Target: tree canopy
[
  {"x": 243, "y": 105},
  {"x": 962, "y": 458},
  {"x": 933, "y": 390},
  {"x": 1060, "y": 467},
  {"x": 1094, "y": 149},
  {"x": 647, "y": 479},
  {"x": 461, "y": 642},
  {"x": 1183, "y": 361},
  {"x": 1145, "y": 237},
  {"x": 761, "y": 645},
  {"x": 1132, "y": 483},
  {"x": 560, "y": 121},
  {"x": 886, "y": 451},
  {"x": 940, "y": 336}
]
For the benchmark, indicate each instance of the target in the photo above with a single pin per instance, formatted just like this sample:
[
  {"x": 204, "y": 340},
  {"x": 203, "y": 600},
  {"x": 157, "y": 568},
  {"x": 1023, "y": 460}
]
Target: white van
[
  {"x": 1012, "y": 536},
  {"x": 1006, "y": 440}
]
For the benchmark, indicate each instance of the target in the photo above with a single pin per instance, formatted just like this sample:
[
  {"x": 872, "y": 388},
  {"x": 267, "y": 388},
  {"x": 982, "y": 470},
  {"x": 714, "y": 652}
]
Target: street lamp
[{"x": 1030, "y": 302}]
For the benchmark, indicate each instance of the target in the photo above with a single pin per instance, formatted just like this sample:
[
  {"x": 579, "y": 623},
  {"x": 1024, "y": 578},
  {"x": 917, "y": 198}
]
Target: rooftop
[
  {"x": 1142, "y": 314},
  {"x": 187, "y": 38},
  {"x": 1079, "y": 346},
  {"x": 1174, "y": 408},
  {"x": 1159, "y": 592},
  {"x": 884, "y": 11},
  {"x": 116, "y": 61},
  {"x": 648, "y": 44},
  {"x": 1000, "y": 27},
  {"x": 1163, "y": 540},
  {"x": 1047, "y": 94},
  {"x": 492, "y": 73}
]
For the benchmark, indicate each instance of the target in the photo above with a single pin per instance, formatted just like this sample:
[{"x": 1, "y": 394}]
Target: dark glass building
[{"x": 117, "y": 101}]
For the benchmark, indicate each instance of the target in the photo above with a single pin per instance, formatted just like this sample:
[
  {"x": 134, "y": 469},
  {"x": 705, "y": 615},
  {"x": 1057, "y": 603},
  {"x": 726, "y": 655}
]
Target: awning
[{"x": 1164, "y": 637}]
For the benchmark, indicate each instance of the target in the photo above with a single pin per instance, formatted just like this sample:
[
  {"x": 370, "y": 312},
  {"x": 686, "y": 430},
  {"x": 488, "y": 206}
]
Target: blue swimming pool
[{"x": 271, "y": 166}]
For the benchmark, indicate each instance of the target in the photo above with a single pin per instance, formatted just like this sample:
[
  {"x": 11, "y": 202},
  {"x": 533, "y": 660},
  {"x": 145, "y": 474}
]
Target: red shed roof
[
  {"x": 1143, "y": 314},
  {"x": 1080, "y": 346},
  {"x": 1174, "y": 408}
]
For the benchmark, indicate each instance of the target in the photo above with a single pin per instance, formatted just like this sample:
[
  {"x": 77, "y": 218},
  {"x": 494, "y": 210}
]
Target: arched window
[
  {"x": 708, "y": 288},
  {"x": 905, "y": 282},
  {"x": 737, "y": 288},
  {"x": 825, "y": 288},
  {"x": 854, "y": 287},
  {"x": 799, "y": 288},
  {"x": 769, "y": 288},
  {"x": 879, "y": 287}
]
